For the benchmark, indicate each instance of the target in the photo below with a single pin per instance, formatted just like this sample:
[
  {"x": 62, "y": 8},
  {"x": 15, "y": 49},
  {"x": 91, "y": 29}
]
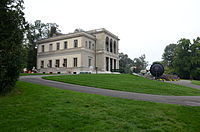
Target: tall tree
[
  {"x": 182, "y": 63},
  {"x": 140, "y": 63},
  {"x": 195, "y": 59},
  {"x": 125, "y": 63},
  {"x": 168, "y": 55},
  {"x": 12, "y": 27},
  {"x": 35, "y": 32}
]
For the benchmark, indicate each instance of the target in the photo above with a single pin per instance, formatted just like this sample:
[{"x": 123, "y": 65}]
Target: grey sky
[{"x": 143, "y": 26}]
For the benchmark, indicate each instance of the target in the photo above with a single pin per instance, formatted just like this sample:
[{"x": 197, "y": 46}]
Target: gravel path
[{"x": 180, "y": 100}]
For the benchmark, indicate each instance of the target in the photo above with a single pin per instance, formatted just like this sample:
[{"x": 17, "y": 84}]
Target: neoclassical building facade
[{"x": 82, "y": 51}]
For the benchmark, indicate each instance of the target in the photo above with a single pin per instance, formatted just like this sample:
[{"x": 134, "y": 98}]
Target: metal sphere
[{"x": 157, "y": 70}]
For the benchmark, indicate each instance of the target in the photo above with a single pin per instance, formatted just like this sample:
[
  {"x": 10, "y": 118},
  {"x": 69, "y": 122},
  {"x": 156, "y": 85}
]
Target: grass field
[
  {"x": 126, "y": 82},
  {"x": 37, "y": 108},
  {"x": 195, "y": 82}
]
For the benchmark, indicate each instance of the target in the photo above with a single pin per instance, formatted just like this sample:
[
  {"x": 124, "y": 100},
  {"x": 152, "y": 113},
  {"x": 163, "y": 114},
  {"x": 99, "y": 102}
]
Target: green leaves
[
  {"x": 11, "y": 38},
  {"x": 183, "y": 58}
]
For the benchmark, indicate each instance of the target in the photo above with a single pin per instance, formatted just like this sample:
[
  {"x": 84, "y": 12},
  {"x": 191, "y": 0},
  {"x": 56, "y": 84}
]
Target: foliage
[
  {"x": 126, "y": 82},
  {"x": 183, "y": 58},
  {"x": 12, "y": 27},
  {"x": 40, "y": 108},
  {"x": 35, "y": 32},
  {"x": 128, "y": 65},
  {"x": 168, "y": 55},
  {"x": 140, "y": 63},
  {"x": 125, "y": 63}
]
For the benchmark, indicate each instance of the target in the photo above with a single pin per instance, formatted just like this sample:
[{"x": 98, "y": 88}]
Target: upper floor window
[
  {"x": 50, "y": 47},
  {"x": 107, "y": 44},
  {"x": 65, "y": 63},
  {"x": 65, "y": 45},
  {"x": 42, "y": 48},
  {"x": 90, "y": 44},
  {"x": 115, "y": 48},
  {"x": 111, "y": 45},
  {"x": 57, "y": 63},
  {"x": 86, "y": 44},
  {"x": 57, "y": 46},
  {"x": 75, "y": 62},
  {"x": 75, "y": 43}
]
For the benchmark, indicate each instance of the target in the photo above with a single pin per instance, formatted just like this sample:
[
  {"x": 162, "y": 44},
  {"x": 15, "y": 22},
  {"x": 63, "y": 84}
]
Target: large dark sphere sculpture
[{"x": 157, "y": 69}]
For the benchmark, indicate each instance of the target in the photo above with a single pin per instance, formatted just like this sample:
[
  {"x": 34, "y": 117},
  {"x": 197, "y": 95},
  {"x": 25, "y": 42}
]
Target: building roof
[{"x": 90, "y": 34}]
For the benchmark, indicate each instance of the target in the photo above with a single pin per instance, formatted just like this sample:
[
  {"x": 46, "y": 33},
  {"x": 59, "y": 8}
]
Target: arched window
[
  {"x": 115, "y": 48},
  {"x": 111, "y": 45},
  {"x": 107, "y": 44}
]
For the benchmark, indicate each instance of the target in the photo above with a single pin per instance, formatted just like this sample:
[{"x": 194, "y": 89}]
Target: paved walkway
[
  {"x": 180, "y": 100},
  {"x": 186, "y": 83}
]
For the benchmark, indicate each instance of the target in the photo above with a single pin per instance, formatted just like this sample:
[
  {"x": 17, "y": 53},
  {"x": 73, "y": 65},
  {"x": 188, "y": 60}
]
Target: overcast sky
[{"x": 143, "y": 26}]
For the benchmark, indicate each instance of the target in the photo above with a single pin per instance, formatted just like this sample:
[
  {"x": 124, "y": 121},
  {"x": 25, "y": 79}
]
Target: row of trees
[
  {"x": 37, "y": 31},
  {"x": 183, "y": 58},
  {"x": 127, "y": 65}
]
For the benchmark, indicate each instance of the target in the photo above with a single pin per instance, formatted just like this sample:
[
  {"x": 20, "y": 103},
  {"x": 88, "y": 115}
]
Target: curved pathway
[
  {"x": 180, "y": 100},
  {"x": 186, "y": 83}
]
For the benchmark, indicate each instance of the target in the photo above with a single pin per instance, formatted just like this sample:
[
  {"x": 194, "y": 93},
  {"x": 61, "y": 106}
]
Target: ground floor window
[
  {"x": 65, "y": 63},
  {"x": 115, "y": 64},
  {"x": 75, "y": 62},
  {"x": 111, "y": 64},
  {"x": 57, "y": 63},
  {"x": 42, "y": 64},
  {"x": 89, "y": 62},
  {"x": 107, "y": 64},
  {"x": 50, "y": 64}
]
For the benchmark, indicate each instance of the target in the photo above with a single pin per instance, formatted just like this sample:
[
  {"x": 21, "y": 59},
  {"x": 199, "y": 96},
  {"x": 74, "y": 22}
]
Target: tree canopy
[
  {"x": 183, "y": 58},
  {"x": 35, "y": 32}
]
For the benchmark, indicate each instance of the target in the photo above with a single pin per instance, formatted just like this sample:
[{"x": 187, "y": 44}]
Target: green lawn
[
  {"x": 29, "y": 74},
  {"x": 37, "y": 108},
  {"x": 125, "y": 82},
  {"x": 195, "y": 82}
]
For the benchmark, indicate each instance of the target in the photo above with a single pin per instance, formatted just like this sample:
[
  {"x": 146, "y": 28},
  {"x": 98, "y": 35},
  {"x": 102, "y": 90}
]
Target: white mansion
[{"x": 81, "y": 51}]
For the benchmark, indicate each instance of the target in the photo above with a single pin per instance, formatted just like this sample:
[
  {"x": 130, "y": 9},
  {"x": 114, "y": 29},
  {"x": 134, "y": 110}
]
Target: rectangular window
[
  {"x": 75, "y": 62},
  {"x": 86, "y": 44},
  {"x": 42, "y": 48},
  {"x": 42, "y": 64},
  {"x": 89, "y": 62},
  {"x": 64, "y": 62},
  {"x": 75, "y": 43},
  {"x": 50, "y": 64},
  {"x": 50, "y": 47},
  {"x": 111, "y": 64},
  {"x": 57, "y": 63},
  {"x": 57, "y": 46},
  {"x": 65, "y": 45},
  {"x": 107, "y": 64},
  {"x": 114, "y": 64},
  {"x": 89, "y": 44}
]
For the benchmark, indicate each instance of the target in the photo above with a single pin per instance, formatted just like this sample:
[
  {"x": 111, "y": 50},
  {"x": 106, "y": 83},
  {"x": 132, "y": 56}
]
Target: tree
[
  {"x": 35, "y": 32},
  {"x": 195, "y": 59},
  {"x": 125, "y": 63},
  {"x": 12, "y": 27},
  {"x": 140, "y": 63},
  {"x": 168, "y": 55},
  {"x": 181, "y": 62}
]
